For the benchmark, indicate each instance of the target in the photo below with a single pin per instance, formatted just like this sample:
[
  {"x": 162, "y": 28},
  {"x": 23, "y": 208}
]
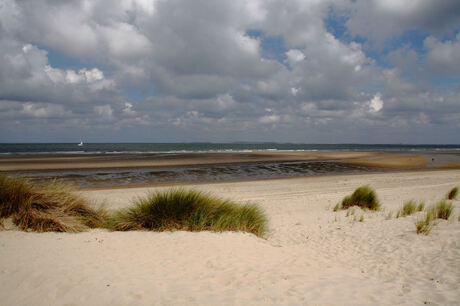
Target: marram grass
[
  {"x": 442, "y": 210},
  {"x": 191, "y": 210},
  {"x": 364, "y": 197},
  {"x": 48, "y": 207},
  {"x": 409, "y": 208},
  {"x": 425, "y": 225},
  {"x": 452, "y": 195}
]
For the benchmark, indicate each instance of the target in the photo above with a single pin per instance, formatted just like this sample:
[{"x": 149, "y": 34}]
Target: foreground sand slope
[{"x": 311, "y": 256}]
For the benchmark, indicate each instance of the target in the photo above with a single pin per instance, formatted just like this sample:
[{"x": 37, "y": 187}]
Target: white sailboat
[{"x": 81, "y": 143}]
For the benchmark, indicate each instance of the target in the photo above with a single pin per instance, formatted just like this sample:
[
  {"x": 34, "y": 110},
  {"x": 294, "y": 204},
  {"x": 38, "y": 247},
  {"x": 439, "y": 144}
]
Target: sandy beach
[{"x": 311, "y": 256}]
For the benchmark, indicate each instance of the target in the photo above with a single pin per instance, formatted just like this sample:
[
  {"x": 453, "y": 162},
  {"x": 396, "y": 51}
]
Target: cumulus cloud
[
  {"x": 382, "y": 20},
  {"x": 199, "y": 69},
  {"x": 443, "y": 57},
  {"x": 376, "y": 104}
]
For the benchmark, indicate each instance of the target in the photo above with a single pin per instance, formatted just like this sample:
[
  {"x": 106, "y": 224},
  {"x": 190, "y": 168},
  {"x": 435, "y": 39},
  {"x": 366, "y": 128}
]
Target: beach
[
  {"x": 107, "y": 170},
  {"x": 311, "y": 255}
]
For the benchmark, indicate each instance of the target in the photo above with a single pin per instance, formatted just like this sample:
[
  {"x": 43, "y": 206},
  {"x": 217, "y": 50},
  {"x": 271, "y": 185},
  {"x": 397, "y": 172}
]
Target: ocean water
[{"x": 133, "y": 148}]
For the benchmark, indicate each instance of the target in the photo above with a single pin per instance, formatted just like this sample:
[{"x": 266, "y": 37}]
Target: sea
[
  {"x": 123, "y": 177},
  {"x": 132, "y": 148}
]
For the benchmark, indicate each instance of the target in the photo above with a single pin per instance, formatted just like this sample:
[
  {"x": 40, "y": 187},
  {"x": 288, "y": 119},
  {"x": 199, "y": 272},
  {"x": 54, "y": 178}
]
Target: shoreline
[
  {"x": 189, "y": 184},
  {"x": 384, "y": 159},
  {"x": 140, "y": 170}
]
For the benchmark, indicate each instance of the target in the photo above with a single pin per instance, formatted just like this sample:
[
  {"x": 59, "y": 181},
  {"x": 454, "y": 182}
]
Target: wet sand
[{"x": 107, "y": 161}]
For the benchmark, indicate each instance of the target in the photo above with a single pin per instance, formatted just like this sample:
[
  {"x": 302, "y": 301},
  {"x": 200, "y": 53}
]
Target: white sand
[{"x": 312, "y": 256}]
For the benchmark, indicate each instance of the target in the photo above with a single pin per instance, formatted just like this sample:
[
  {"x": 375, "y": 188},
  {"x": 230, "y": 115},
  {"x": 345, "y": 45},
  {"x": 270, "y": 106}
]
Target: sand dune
[{"x": 312, "y": 255}]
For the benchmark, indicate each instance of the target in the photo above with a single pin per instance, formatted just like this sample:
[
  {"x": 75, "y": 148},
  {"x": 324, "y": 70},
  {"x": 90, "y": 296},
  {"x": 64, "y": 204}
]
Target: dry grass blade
[{"x": 44, "y": 208}]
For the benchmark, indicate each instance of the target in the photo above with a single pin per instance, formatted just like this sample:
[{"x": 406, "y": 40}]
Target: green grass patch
[
  {"x": 452, "y": 195},
  {"x": 364, "y": 197},
  {"x": 409, "y": 208},
  {"x": 46, "y": 207},
  {"x": 425, "y": 225},
  {"x": 441, "y": 210},
  {"x": 191, "y": 210}
]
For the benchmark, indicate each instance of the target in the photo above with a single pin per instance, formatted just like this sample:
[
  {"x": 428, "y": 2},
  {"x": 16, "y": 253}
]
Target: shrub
[
  {"x": 363, "y": 197},
  {"x": 452, "y": 195},
  {"x": 180, "y": 209},
  {"x": 45, "y": 208}
]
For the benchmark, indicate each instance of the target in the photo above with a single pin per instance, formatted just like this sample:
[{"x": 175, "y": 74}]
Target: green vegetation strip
[
  {"x": 181, "y": 209},
  {"x": 57, "y": 207},
  {"x": 46, "y": 208}
]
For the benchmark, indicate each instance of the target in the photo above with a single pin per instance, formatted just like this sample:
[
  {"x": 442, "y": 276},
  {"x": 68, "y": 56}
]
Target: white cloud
[
  {"x": 104, "y": 111},
  {"x": 44, "y": 110},
  {"x": 127, "y": 110},
  {"x": 270, "y": 119},
  {"x": 376, "y": 104},
  {"x": 443, "y": 57},
  {"x": 381, "y": 20},
  {"x": 201, "y": 73},
  {"x": 295, "y": 56}
]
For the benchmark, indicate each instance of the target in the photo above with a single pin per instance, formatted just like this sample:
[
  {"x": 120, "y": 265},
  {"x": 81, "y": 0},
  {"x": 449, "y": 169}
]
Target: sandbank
[{"x": 106, "y": 161}]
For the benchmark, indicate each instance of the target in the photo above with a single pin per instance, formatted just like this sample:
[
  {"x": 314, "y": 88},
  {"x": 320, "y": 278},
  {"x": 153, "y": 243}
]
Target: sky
[{"x": 310, "y": 71}]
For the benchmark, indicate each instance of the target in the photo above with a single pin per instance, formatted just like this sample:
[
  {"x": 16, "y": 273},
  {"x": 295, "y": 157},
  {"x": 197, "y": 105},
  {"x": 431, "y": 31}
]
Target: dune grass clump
[
  {"x": 424, "y": 226},
  {"x": 442, "y": 210},
  {"x": 364, "y": 197},
  {"x": 452, "y": 195},
  {"x": 52, "y": 207},
  {"x": 180, "y": 209},
  {"x": 409, "y": 208}
]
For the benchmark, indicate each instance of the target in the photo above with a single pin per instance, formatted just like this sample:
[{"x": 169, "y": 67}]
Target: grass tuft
[
  {"x": 181, "y": 209},
  {"x": 364, "y": 197},
  {"x": 47, "y": 207},
  {"x": 424, "y": 226},
  {"x": 336, "y": 207},
  {"x": 361, "y": 219},
  {"x": 452, "y": 195},
  {"x": 409, "y": 208},
  {"x": 420, "y": 206},
  {"x": 442, "y": 210}
]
